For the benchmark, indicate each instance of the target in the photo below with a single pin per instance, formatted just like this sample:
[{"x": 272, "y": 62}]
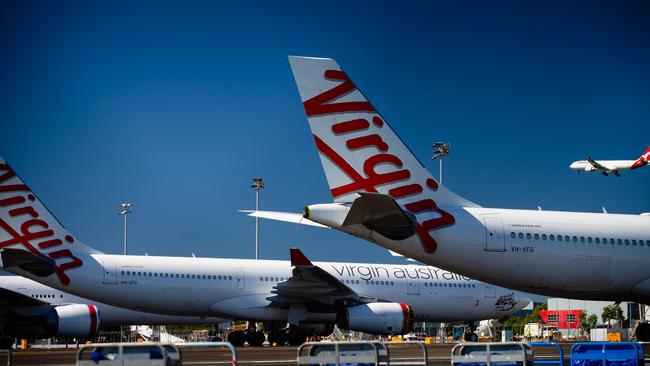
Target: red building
[{"x": 561, "y": 319}]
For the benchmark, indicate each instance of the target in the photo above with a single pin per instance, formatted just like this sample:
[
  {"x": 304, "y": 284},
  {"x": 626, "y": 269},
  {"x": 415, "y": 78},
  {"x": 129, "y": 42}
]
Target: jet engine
[
  {"x": 378, "y": 318},
  {"x": 74, "y": 320}
]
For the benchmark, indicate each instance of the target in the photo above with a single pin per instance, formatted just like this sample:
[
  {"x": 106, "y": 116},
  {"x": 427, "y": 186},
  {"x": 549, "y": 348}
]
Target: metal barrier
[
  {"x": 132, "y": 354},
  {"x": 421, "y": 345},
  {"x": 607, "y": 353},
  {"x": 228, "y": 345},
  {"x": 559, "y": 361},
  {"x": 488, "y": 354},
  {"x": 364, "y": 353},
  {"x": 8, "y": 353}
]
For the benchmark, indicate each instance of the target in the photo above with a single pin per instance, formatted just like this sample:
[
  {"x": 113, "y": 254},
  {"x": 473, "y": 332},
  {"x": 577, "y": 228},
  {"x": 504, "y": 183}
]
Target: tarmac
[{"x": 437, "y": 355}]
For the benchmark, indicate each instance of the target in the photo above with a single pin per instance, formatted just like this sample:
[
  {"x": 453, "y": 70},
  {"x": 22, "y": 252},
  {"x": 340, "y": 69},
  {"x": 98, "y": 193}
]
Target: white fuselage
[
  {"x": 109, "y": 315},
  {"x": 612, "y": 165},
  {"x": 600, "y": 256},
  {"x": 239, "y": 288}
]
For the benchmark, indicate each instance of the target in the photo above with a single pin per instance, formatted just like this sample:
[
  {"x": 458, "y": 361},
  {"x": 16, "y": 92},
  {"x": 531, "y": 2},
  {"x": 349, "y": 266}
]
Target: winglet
[{"x": 298, "y": 258}]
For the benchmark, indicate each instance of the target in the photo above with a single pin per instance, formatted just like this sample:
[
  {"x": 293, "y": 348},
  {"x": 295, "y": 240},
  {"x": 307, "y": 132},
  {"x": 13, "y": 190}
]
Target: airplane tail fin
[
  {"x": 26, "y": 224},
  {"x": 359, "y": 151},
  {"x": 644, "y": 159}
]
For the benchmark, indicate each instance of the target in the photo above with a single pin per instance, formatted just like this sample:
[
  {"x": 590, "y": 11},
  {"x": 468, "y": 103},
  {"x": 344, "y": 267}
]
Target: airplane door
[
  {"x": 490, "y": 290},
  {"x": 495, "y": 240},
  {"x": 110, "y": 272},
  {"x": 413, "y": 287},
  {"x": 240, "y": 278}
]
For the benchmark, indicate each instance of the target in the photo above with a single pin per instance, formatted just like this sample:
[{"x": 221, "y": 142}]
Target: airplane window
[
  {"x": 521, "y": 235},
  {"x": 597, "y": 240},
  {"x": 634, "y": 242},
  {"x": 536, "y": 236},
  {"x": 528, "y": 236},
  {"x": 210, "y": 277},
  {"x": 513, "y": 235},
  {"x": 619, "y": 241},
  {"x": 445, "y": 285},
  {"x": 559, "y": 238},
  {"x": 277, "y": 279},
  {"x": 150, "y": 274},
  {"x": 358, "y": 282},
  {"x": 122, "y": 273},
  {"x": 382, "y": 283},
  {"x": 567, "y": 238},
  {"x": 582, "y": 239},
  {"x": 641, "y": 242},
  {"x": 543, "y": 236},
  {"x": 552, "y": 237},
  {"x": 219, "y": 276},
  {"x": 61, "y": 296},
  {"x": 575, "y": 239},
  {"x": 261, "y": 278},
  {"x": 128, "y": 273},
  {"x": 611, "y": 241},
  {"x": 230, "y": 278},
  {"x": 627, "y": 242},
  {"x": 426, "y": 284},
  {"x": 139, "y": 273}
]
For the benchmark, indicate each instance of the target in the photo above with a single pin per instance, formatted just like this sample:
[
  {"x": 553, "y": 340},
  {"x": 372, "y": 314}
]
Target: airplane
[
  {"x": 610, "y": 166},
  {"x": 29, "y": 309},
  {"x": 310, "y": 297},
  {"x": 382, "y": 193}
]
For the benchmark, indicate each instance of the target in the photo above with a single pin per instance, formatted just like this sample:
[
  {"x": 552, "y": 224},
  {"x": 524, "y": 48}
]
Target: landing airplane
[
  {"x": 383, "y": 194},
  {"x": 311, "y": 297},
  {"x": 610, "y": 166},
  {"x": 31, "y": 310}
]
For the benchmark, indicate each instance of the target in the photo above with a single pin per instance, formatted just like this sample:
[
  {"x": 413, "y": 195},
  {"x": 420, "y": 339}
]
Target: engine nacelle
[
  {"x": 76, "y": 320},
  {"x": 589, "y": 168},
  {"x": 378, "y": 318}
]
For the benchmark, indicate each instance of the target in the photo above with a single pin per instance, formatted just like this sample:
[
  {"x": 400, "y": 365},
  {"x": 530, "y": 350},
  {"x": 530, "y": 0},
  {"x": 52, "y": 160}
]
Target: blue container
[
  {"x": 550, "y": 361},
  {"x": 607, "y": 354}
]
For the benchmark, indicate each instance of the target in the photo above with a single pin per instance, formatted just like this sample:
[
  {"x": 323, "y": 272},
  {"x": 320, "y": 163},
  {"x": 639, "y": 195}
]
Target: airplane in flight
[
  {"x": 310, "y": 297},
  {"x": 382, "y": 193},
  {"x": 608, "y": 167},
  {"x": 31, "y": 310}
]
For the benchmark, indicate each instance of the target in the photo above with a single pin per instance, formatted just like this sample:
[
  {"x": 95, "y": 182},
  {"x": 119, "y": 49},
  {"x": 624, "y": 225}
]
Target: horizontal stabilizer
[
  {"x": 27, "y": 261},
  {"x": 295, "y": 218},
  {"x": 380, "y": 213}
]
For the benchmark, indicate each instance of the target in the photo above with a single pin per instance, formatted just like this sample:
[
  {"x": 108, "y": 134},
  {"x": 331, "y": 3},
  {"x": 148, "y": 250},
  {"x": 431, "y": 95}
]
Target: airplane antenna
[
  {"x": 441, "y": 149},
  {"x": 126, "y": 210},
  {"x": 257, "y": 186}
]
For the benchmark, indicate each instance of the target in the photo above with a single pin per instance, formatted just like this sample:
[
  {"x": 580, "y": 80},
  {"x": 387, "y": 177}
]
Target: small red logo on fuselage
[
  {"x": 321, "y": 105},
  {"x": 34, "y": 234}
]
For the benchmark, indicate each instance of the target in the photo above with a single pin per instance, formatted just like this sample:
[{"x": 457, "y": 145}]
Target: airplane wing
[
  {"x": 12, "y": 299},
  {"x": 600, "y": 166},
  {"x": 295, "y": 218},
  {"x": 311, "y": 284}
]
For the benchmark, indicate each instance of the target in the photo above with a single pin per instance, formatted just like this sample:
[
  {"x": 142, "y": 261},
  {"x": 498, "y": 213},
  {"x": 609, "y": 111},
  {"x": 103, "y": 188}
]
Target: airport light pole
[
  {"x": 257, "y": 186},
  {"x": 126, "y": 210},
  {"x": 441, "y": 150}
]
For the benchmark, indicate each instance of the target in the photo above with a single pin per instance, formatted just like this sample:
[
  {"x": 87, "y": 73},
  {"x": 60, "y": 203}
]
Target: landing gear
[
  {"x": 237, "y": 338},
  {"x": 277, "y": 337},
  {"x": 642, "y": 332},
  {"x": 296, "y": 337},
  {"x": 256, "y": 338},
  {"x": 253, "y": 337}
]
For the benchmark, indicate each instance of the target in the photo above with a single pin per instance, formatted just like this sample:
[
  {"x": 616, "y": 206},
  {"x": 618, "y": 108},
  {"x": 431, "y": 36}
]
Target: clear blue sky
[{"x": 175, "y": 106}]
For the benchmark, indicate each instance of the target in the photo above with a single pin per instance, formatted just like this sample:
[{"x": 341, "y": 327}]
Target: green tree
[
  {"x": 612, "y": 312},
  {"x": 587, "y": 322}
]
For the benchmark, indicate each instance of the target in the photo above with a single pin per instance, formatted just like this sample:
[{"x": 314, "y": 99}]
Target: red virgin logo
[
  {"x": 33, "y": 233},
  {"x": 399, "y": 180}
]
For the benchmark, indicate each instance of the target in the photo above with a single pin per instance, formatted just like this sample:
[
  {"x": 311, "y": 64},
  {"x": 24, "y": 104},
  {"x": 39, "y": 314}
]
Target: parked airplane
[
  {"x": 29, "y": 309},
  {"x": 372, "y": 298},
  {"x": 383, "y": 194},
  {"x": 610, "y": 166}
]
